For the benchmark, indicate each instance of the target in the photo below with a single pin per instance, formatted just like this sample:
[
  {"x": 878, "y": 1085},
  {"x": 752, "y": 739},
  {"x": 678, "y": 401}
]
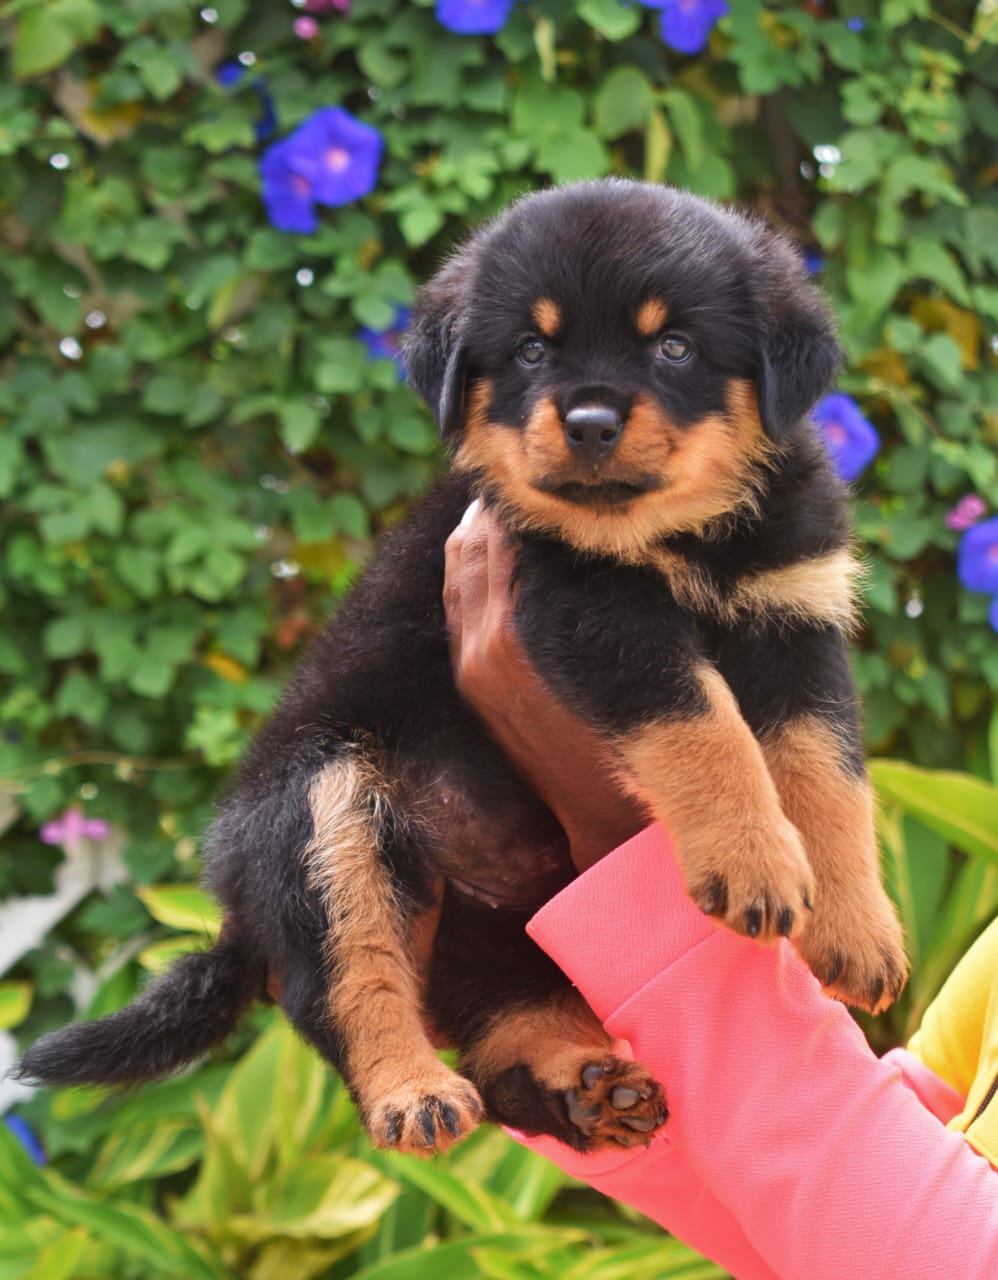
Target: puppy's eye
[
  {"x": 675, "y": 347},
  {"x": 530, "y": 352}
]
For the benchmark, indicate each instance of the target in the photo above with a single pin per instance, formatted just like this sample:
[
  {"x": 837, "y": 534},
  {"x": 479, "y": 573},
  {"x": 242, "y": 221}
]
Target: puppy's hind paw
[{"x": 615, "y": 1104}]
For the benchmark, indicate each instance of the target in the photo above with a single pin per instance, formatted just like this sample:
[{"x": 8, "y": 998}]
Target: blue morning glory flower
[
  {"x": 686, "y": 24},
  {"x": 287, "y": 192},
  {"x": 332, "y": 158},
  {"x": 977, "y": 559},
  {"x": 855, "y": 24},
  {"x": 473, "y": 17},
  {"x": 230, "y": 73},
  {"x": 338, "y": 154},
  {"x": 386, "y": 344},
  {"x": 850, "y": 438}
]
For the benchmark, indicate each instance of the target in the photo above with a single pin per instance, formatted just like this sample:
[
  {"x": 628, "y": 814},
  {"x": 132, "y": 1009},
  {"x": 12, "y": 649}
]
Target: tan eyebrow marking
[
  {"x": 651, "y": 317},
  {"x": 547, "y": 316}
]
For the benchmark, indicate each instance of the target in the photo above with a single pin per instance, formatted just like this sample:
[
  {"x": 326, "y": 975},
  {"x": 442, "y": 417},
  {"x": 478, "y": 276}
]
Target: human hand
[{"x": 558, "y": 753}]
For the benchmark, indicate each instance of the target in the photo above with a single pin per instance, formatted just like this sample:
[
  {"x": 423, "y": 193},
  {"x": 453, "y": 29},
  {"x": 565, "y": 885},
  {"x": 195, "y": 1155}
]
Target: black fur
[
  {"x": 180, "y": 1017},
  {"x": 609, "y": 638}
]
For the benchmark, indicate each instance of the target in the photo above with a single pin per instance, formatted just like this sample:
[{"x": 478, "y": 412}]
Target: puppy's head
[{"x": 619, "y": 361}]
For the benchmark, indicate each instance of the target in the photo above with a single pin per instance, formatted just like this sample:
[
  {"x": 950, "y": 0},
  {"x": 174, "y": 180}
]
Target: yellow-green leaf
[
  {"x": 182, "y": 906},
  {"x": 961, "y": 808},
  {"x": 15, "y": 1001}
]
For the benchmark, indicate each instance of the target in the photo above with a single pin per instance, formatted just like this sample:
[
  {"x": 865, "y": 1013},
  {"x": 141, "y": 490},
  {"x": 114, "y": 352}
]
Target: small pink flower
[
  {"x": 72, "y": 829},
  {"x": 966, "y": 512},
  {"x": 305, "y": 28}
]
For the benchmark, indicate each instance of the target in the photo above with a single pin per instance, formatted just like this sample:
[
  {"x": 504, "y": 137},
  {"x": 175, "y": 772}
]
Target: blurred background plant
[{"x": 212, "y": 225}]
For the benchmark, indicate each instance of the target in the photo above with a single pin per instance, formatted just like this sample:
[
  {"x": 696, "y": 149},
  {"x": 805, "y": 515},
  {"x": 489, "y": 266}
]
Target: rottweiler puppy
[{"x": 625, "y": 373}]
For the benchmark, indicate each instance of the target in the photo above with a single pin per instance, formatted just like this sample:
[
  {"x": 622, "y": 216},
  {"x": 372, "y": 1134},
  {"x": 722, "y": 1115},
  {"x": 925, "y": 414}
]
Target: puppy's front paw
[
  {"x": 425, "y": 1114},
  {"x": 615, "y": 1104},
  {"x": 856, "y": 951},
  {"x": 761, "y": 884}
]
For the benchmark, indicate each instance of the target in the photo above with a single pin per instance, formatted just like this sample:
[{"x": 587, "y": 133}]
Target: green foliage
[
  {"x": 196, "y": 450},
  {"x": 291, "y": 1190}
]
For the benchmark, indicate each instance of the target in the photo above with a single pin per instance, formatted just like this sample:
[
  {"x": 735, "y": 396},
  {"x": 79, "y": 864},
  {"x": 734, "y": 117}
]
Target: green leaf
[
  {"x": 182, "y": 906},
  {"x": 300, "y": 424},
  {"x": 929, "y": 260},
  {"x": 614, "y": 19},
  {"x": 82, "y": 696},
  {"x": 320, "y": 1197},
  {"x": 349, "y": 515},
  {"x": 126, "y": 1159},
  {"x": 540, "y": 111},
  {"x": 572, "y": 157},
  {"x": 300, "y": 1083},
  {"x": 49, "y": 31},
  {"x": 457, "y": 1260},
  {"x": 83, "y": 457},
  {"x": 959, "y": 807},
  {"x": 60, "y": 1258},
  {"x": 623, "y": 102},
  {"x": 418, "y": 224},
  {"x": 340, "y": 365},
  {"x": 15, "y": 1001},
  {"x": 470, "y": 1203},
  {"x": 66, "y": 637},
  {"x": 686, "y": 123}
]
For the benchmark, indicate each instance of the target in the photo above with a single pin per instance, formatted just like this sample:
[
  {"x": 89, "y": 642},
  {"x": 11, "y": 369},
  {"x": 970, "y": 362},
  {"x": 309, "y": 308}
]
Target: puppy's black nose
[{"x": 592, "y": 431}]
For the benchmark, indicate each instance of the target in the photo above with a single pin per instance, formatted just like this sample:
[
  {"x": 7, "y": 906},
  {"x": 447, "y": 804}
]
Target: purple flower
[
  {"x": 966, "y": 512},
  {"x": 72, "y": 829},
  {"x": 686, "y": 24},
  {"x": 22, "y": 1132},
  {"x": 855, "y": 24},
  {"x": 849, "y": 437},
  {"x": 473, "y": 17},
  {"x": 287, "y": 193},
  {"x": 332, "y": 158},
  {"x": 385, "y": 344},
  {"x": 977, "y": 559},
  {"x": 305, "y": 28},
  {"x": 338, "y": 154}
]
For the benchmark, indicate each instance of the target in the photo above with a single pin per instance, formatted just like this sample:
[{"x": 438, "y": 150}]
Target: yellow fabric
[{"x": 958, "y": 1040}]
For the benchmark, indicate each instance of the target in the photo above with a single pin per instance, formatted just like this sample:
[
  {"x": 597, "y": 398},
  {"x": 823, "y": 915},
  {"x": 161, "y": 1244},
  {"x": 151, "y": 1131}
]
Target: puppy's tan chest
[{"x": 818, "y": 590}]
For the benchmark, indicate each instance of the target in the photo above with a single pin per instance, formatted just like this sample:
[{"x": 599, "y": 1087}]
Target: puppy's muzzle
[{"x": 592, "y": 432}]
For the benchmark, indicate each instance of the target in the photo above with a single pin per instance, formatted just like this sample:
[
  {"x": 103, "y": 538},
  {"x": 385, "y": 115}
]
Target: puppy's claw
[{"x": 591, "y": 1075}]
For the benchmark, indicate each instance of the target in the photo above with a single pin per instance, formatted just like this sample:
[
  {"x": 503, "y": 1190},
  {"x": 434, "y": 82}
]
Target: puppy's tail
[{"x": 186, "y": 1012}]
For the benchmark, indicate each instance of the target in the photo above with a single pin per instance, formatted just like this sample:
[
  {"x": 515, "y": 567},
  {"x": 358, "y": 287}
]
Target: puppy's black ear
[
  {"x": 433, "y": 350},
  {"x": 799, "y": 353}
]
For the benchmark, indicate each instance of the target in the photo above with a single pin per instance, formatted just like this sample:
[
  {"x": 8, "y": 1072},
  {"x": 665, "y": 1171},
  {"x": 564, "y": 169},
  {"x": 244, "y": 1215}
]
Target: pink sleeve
[{"x": 791, "y": 1150}]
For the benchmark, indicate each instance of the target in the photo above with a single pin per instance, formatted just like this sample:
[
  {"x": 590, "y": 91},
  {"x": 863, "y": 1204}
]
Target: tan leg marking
[
  {"x": 651, "y": 317},
  {"x": 705, "y": 778},
  {"x": 407, "y": 1097},
  {"x": 610, "y": 1101},
  {"x": 854, "y": 943},
  {"x": 547, "y": 316}
]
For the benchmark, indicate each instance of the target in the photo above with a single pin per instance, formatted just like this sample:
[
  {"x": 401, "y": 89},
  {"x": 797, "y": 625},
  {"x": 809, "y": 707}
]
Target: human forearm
[{"x": 827, "y": 1163}]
